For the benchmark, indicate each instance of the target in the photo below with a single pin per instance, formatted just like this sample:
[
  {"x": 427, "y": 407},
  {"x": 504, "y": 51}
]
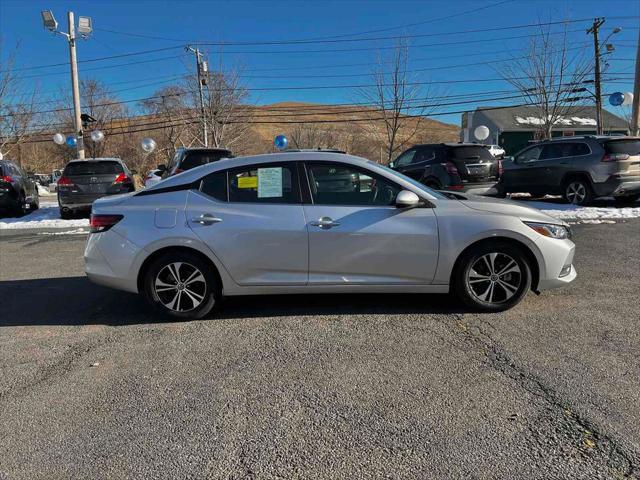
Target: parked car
[
  {"x": 18, "y": 191},
  {"x": 188, "y": 158},
  {"x": 84, "y": 181},
  {"x": 578, "y": 168},
  {"x": 153, "y": 177},
  {"x": 462, "y": 167},
  {"x": 265, "y": 225},
  {"x": 43, "y": 179},
  {"x": 497, "y": 151}
]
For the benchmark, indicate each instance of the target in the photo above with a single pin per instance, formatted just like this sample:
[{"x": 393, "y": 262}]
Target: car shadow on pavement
[{"x": 76, "y": 301}]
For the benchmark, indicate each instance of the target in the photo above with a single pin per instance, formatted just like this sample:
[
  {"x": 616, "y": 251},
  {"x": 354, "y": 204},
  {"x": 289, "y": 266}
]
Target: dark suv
[
  {"x": 462, "y": 167},
  {"x": 578, "y": 168},
  {"x": 84, "y": 181},
  {"x": 188, "y": 158},
  {"x": 18, "y": 190}
]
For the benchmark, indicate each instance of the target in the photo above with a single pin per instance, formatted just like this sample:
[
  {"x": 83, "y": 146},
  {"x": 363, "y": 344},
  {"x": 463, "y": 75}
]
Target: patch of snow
[
  {"x": 77, "y": 231},
  {"x": 44, "y": 192},
  {"x": 569, "y": 211},
  {"x": 47, "y": 216},
  {"x": 580, "y": 121}
]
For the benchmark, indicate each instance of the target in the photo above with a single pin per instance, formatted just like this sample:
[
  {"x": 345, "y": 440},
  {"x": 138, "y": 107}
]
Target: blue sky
[{"x": 259, "y": 21}]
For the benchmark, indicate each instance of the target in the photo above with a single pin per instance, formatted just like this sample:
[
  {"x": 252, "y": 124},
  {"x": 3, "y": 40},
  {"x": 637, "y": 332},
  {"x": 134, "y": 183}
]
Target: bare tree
[
  {"x": 394, "y": 98},
  {"x": 169, "y": 105},
  {"x": 225, "y": 109},
  {"x": 17, "y": 107},
  {"x": 549, "y": 78}
]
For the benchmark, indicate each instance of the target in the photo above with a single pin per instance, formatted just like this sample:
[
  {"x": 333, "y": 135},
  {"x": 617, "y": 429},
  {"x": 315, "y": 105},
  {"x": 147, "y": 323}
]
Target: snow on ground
[
  {"x": 567, "y": 211},
  {"x": 47, "y": 216}
]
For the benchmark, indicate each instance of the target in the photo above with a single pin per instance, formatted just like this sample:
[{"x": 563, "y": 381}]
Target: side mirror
[
  {"x": 162, "y": 167},
  {"x": 407, "y": 199}
]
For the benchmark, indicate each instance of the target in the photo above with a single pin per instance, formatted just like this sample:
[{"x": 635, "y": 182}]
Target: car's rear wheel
[
  {"x": 65, "y": 214},
  {"x": 181, "y": 284},
  {"x": 493, "y": 277},
  {"x": 578, "y": 191},
  {"x": 20, "y": 207}
]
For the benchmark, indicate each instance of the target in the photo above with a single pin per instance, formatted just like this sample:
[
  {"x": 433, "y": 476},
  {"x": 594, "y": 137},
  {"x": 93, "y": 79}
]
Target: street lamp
[{"x": 85, "y": 28}]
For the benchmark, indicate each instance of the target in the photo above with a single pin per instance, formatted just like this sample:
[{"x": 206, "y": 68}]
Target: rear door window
[
  {"x": 405, "y": 159},
  {"x": 424, "y": 155},
  {"x": 93, "y": 168},
  {"x": 529, "y": 155},
  {"x": 215, "y": 185},
  {"x": 265, "y": 183},
  {"x": 630, "y": 147}
]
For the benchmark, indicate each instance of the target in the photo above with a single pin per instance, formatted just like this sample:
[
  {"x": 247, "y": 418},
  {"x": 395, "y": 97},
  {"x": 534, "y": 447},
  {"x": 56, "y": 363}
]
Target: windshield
[{"x": 413, "y": 182}]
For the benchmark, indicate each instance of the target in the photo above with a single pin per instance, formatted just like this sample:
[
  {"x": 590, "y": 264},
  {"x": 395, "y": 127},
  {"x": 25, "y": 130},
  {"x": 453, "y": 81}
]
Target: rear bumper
[
  {"x": 108, "y": 260},
  {"x": 483, "y": 188},
  {"x": 80, "y": 202},
  {"x": 618, "y": 186}
]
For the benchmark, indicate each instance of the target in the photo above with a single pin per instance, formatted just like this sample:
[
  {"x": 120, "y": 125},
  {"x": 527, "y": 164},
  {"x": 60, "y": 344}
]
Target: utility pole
[
  {"x": 84, "y": 29},
  {"x": 74, "y": 85},
  {"x": 202, "y": 69},
  {"x": 635, "y": 116},
  {"x": 597, "y": 23}
]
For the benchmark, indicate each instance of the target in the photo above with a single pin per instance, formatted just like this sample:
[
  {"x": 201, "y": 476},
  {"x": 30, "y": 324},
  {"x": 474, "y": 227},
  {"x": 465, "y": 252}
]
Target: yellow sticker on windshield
[{"x": 247, "y": 182}]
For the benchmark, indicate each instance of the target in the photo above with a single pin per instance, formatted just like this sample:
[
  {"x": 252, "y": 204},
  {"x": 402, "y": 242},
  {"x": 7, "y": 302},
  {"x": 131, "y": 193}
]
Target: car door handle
[
  {"x": 206, "y": 219},
  {"x": 325, "y": 222}
]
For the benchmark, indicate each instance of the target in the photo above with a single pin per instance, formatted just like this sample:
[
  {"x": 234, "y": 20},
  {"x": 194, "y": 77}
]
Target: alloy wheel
[
  {"x": 180, "y": 286},
  {"x": 494, "y": 278},
  {"x": 576, "y": 193}
]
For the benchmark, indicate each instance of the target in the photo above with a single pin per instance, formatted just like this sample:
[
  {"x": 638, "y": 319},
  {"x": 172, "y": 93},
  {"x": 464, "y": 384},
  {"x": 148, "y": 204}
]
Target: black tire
[
  {"x": 468, "y": 288},
  {"x": 35, "y": 205},
  {"x": 627, "y": 201},
  {"x": 19, "y": 209},
  {"x": 163, "y": 270},
  {"x": 65, "y": 215},
  {"x": 578, "y": 191},
  {"x": 500, "y": 192},
  {"x": 433, "y": 185}
]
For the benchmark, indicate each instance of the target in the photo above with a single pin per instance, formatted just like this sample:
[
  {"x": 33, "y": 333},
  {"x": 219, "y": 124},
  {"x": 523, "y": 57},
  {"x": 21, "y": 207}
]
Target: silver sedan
[{"x": 319, "y": 222}]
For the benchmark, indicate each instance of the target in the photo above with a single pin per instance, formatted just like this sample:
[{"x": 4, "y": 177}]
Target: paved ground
[{"x": 92, "y": 386}]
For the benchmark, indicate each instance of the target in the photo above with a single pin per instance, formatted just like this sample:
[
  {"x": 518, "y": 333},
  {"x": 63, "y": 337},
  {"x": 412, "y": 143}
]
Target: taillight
[
  {"x": 6, "y": 178},
  {"x": 500, "y": 168},
  {"x": 614, "y": 157},
  {"x": 102, "y": 223},
  {"x": 122, "y": 178},
  {"x": 65, "y": 182},
  {"x": 451, "y": 168}
]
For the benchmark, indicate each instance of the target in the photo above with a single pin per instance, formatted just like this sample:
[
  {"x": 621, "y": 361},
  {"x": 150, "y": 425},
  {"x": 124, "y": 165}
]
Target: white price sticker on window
[{"x": 270, "y": 182}]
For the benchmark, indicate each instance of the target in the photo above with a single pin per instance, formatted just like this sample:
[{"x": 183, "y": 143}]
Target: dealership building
[{"x": 513, "y": 128}]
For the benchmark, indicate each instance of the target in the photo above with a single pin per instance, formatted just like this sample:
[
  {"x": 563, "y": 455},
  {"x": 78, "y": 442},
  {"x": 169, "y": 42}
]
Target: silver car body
[{"x": 279, "y": 248}]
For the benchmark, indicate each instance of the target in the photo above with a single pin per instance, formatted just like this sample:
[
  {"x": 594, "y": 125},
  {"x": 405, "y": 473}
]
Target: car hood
[{"x": 506, "y": 207}]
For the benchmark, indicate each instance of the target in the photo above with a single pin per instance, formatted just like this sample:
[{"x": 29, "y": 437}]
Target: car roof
[
  {"x": 208, "y": 149},
  {"x": 591, "y": 137},
  {"x": 451, "y": 144}
]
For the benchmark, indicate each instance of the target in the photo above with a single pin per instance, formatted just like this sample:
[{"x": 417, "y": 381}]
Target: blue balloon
[
  {"x": 280, "y": 142},
  {"x": 616, "y": 99},
  {"x": 71, "y": 141}
]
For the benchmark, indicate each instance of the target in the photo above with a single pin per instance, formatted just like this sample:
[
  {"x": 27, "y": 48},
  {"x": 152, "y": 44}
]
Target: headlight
[{"x": 550, "y": 230}]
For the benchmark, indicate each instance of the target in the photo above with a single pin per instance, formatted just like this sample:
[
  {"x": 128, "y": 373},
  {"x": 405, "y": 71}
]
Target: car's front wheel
[
  {"x": 181, "y": 284},
  {"x": 493, "y": 277},
  {"x": 578, "y": 191}
]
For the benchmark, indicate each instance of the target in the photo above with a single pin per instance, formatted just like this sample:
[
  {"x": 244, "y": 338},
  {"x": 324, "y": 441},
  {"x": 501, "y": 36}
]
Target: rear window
[
  {"x": 630, "y": 147},
  {"x": 469, "y": 153},
  {"x": 195, "y": 159},
  {"x": 93, "y": 168}
]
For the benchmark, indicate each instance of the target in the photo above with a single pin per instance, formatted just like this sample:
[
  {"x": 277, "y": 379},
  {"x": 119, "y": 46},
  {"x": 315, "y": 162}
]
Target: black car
[
  {"x": 188, "y": 158},
  {"x": 84, "y": 181},
  {"x": 18, "y": 190},
  {"x": 461, "y": 167}
]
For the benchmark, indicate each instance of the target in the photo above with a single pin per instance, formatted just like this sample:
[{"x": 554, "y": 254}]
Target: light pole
[
  {"x": 202, "y": 80},
  {"x": 84, "y": 29}
]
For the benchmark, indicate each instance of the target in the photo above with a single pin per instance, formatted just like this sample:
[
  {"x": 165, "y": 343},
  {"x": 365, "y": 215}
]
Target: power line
[{"x": 308, "y": 87}]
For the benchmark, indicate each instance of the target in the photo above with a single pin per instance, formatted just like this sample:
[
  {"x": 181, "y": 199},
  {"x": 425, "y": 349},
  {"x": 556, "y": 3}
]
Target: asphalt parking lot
[{"x": 367, "y": 386}]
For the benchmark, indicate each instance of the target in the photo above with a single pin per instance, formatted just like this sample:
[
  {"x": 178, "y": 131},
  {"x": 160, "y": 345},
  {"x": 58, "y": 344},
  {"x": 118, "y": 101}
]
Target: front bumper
[{"x": 557, "y": 267}]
